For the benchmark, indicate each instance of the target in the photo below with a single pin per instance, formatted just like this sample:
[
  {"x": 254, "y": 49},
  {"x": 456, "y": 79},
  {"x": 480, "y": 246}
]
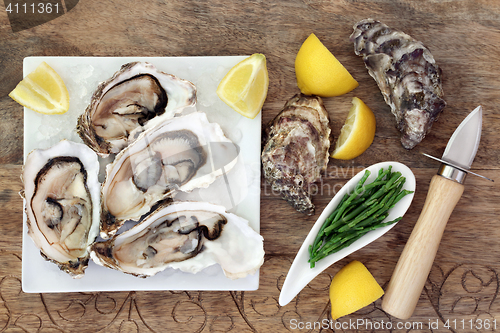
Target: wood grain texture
[{"x": 462, "y": 35}]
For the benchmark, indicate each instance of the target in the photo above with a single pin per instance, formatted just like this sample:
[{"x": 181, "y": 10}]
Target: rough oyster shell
[
  {"x": 133, "y": 96},
  {"x": 61, "y": 192},
  {"x": 407, "y": 75},
  {"x": 182, "y": 153},
  {"x": 295, "y": 150},
  {"x": 188, "y": 236}
]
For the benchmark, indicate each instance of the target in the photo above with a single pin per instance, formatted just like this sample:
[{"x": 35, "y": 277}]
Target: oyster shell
[
  {"x": 133, "y": 96},
  {"x": 182, "y": 153},
  {"x": 295, "y": 152},
  {"x": 188, "y": 236},
  {"x": 407, "y": 75},
  {"x": 61, "y": 193}
]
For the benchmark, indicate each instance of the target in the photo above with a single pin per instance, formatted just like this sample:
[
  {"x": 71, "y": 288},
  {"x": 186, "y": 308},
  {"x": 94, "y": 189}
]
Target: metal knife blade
[{"x": 462, "y": 146}]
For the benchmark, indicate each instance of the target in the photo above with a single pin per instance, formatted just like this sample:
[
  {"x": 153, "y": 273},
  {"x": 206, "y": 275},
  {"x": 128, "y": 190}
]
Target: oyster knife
[{"x": 445, "y": 190}]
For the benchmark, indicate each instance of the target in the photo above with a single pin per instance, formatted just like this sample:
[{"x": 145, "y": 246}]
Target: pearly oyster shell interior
[
  {"x": 61, "y": 192},
  {"x": 188, "y": 236},
  {"x": 176, "y": 155},
  {"x": 133, "y": 96}
]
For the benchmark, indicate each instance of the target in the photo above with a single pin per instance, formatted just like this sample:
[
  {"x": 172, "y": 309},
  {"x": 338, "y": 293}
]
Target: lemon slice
[
  {"x": 244, "y": 88},
  {"x": 357, "y": 133},
  {"x": 353, "y": 288},
  {"x": 319, "y": 73},
  {"x": 42, "y": 91}
]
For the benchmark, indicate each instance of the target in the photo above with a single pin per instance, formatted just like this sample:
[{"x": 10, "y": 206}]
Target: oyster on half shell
[
  {"x": 188, "y": 236},
  {"x": 182, "y": 153},
  {"x": 133, "y": 96},
  {"x": 61, "y": 192}
]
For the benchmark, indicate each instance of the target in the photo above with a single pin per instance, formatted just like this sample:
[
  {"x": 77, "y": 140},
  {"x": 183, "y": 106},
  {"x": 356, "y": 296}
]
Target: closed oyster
[
  {"x": 133, "y": 96},
  {"x": 177, "y": 154},
  {"x": 61, "y": 193},
  {"x": 407, "y": 75},
  {"x": 295, "y": 150},
  {"x": 188, "y": 236}
]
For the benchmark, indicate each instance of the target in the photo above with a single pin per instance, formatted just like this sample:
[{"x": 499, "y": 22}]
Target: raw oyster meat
[
  {"x": 133, "y": 96},
  {"x": 182, "y": 153},
  {"x": 188, "y": 236},
  {"x": 61, "y": 193},
  {"x": 407, "y": 75},
  {"x": 295, "y": 153}
]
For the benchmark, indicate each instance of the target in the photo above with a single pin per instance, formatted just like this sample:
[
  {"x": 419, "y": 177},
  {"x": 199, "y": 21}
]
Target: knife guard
[{"x": 415, "y": 262}]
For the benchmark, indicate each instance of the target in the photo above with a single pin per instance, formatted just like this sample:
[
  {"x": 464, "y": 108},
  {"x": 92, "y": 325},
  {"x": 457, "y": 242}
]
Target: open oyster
[
  {"x": 295, "y": 152},
  {"x": 182, "y": 153},
  {"x": 133, "y": 96},
  {"x": 61, "y": 192},
  {"x": 407, "y": 75},
  {"x": 188, "y": 236}
]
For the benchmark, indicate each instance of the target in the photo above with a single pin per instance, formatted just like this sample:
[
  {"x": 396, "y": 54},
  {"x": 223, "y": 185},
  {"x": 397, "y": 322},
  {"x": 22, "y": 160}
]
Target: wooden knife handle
[{"x": 415, "y": 262}]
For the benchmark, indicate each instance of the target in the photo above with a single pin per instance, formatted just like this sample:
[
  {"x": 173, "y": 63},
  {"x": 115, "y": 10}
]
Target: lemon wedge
[
  {"x": 353, "y": 288},
  {"x": 319, "y": 73},
  {"x": 358, "y": 132},
  {"x": 42, "y": 91},
  {"x": 244, "y": 88}
]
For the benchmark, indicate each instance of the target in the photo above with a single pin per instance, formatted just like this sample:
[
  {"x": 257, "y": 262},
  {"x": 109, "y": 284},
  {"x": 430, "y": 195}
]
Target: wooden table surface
[{"x": 464, "y": 37}]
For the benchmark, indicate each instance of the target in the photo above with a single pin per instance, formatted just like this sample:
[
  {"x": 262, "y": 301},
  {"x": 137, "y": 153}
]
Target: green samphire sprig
[{"x": 359, "y": 212}]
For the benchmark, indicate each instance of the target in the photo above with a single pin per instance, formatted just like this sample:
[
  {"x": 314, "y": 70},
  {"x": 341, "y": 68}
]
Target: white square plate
[{"x": 81, "y": 76}]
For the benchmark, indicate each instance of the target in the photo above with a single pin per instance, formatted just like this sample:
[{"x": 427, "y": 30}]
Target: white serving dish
[
  {"x": 81, "y": 76},
  {"x": 300, "y": 273}
]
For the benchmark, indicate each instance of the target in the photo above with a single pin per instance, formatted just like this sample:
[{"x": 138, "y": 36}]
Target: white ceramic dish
[
  {"x": 81, "y": 76},
  {"x": 300, "y": 273}
]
